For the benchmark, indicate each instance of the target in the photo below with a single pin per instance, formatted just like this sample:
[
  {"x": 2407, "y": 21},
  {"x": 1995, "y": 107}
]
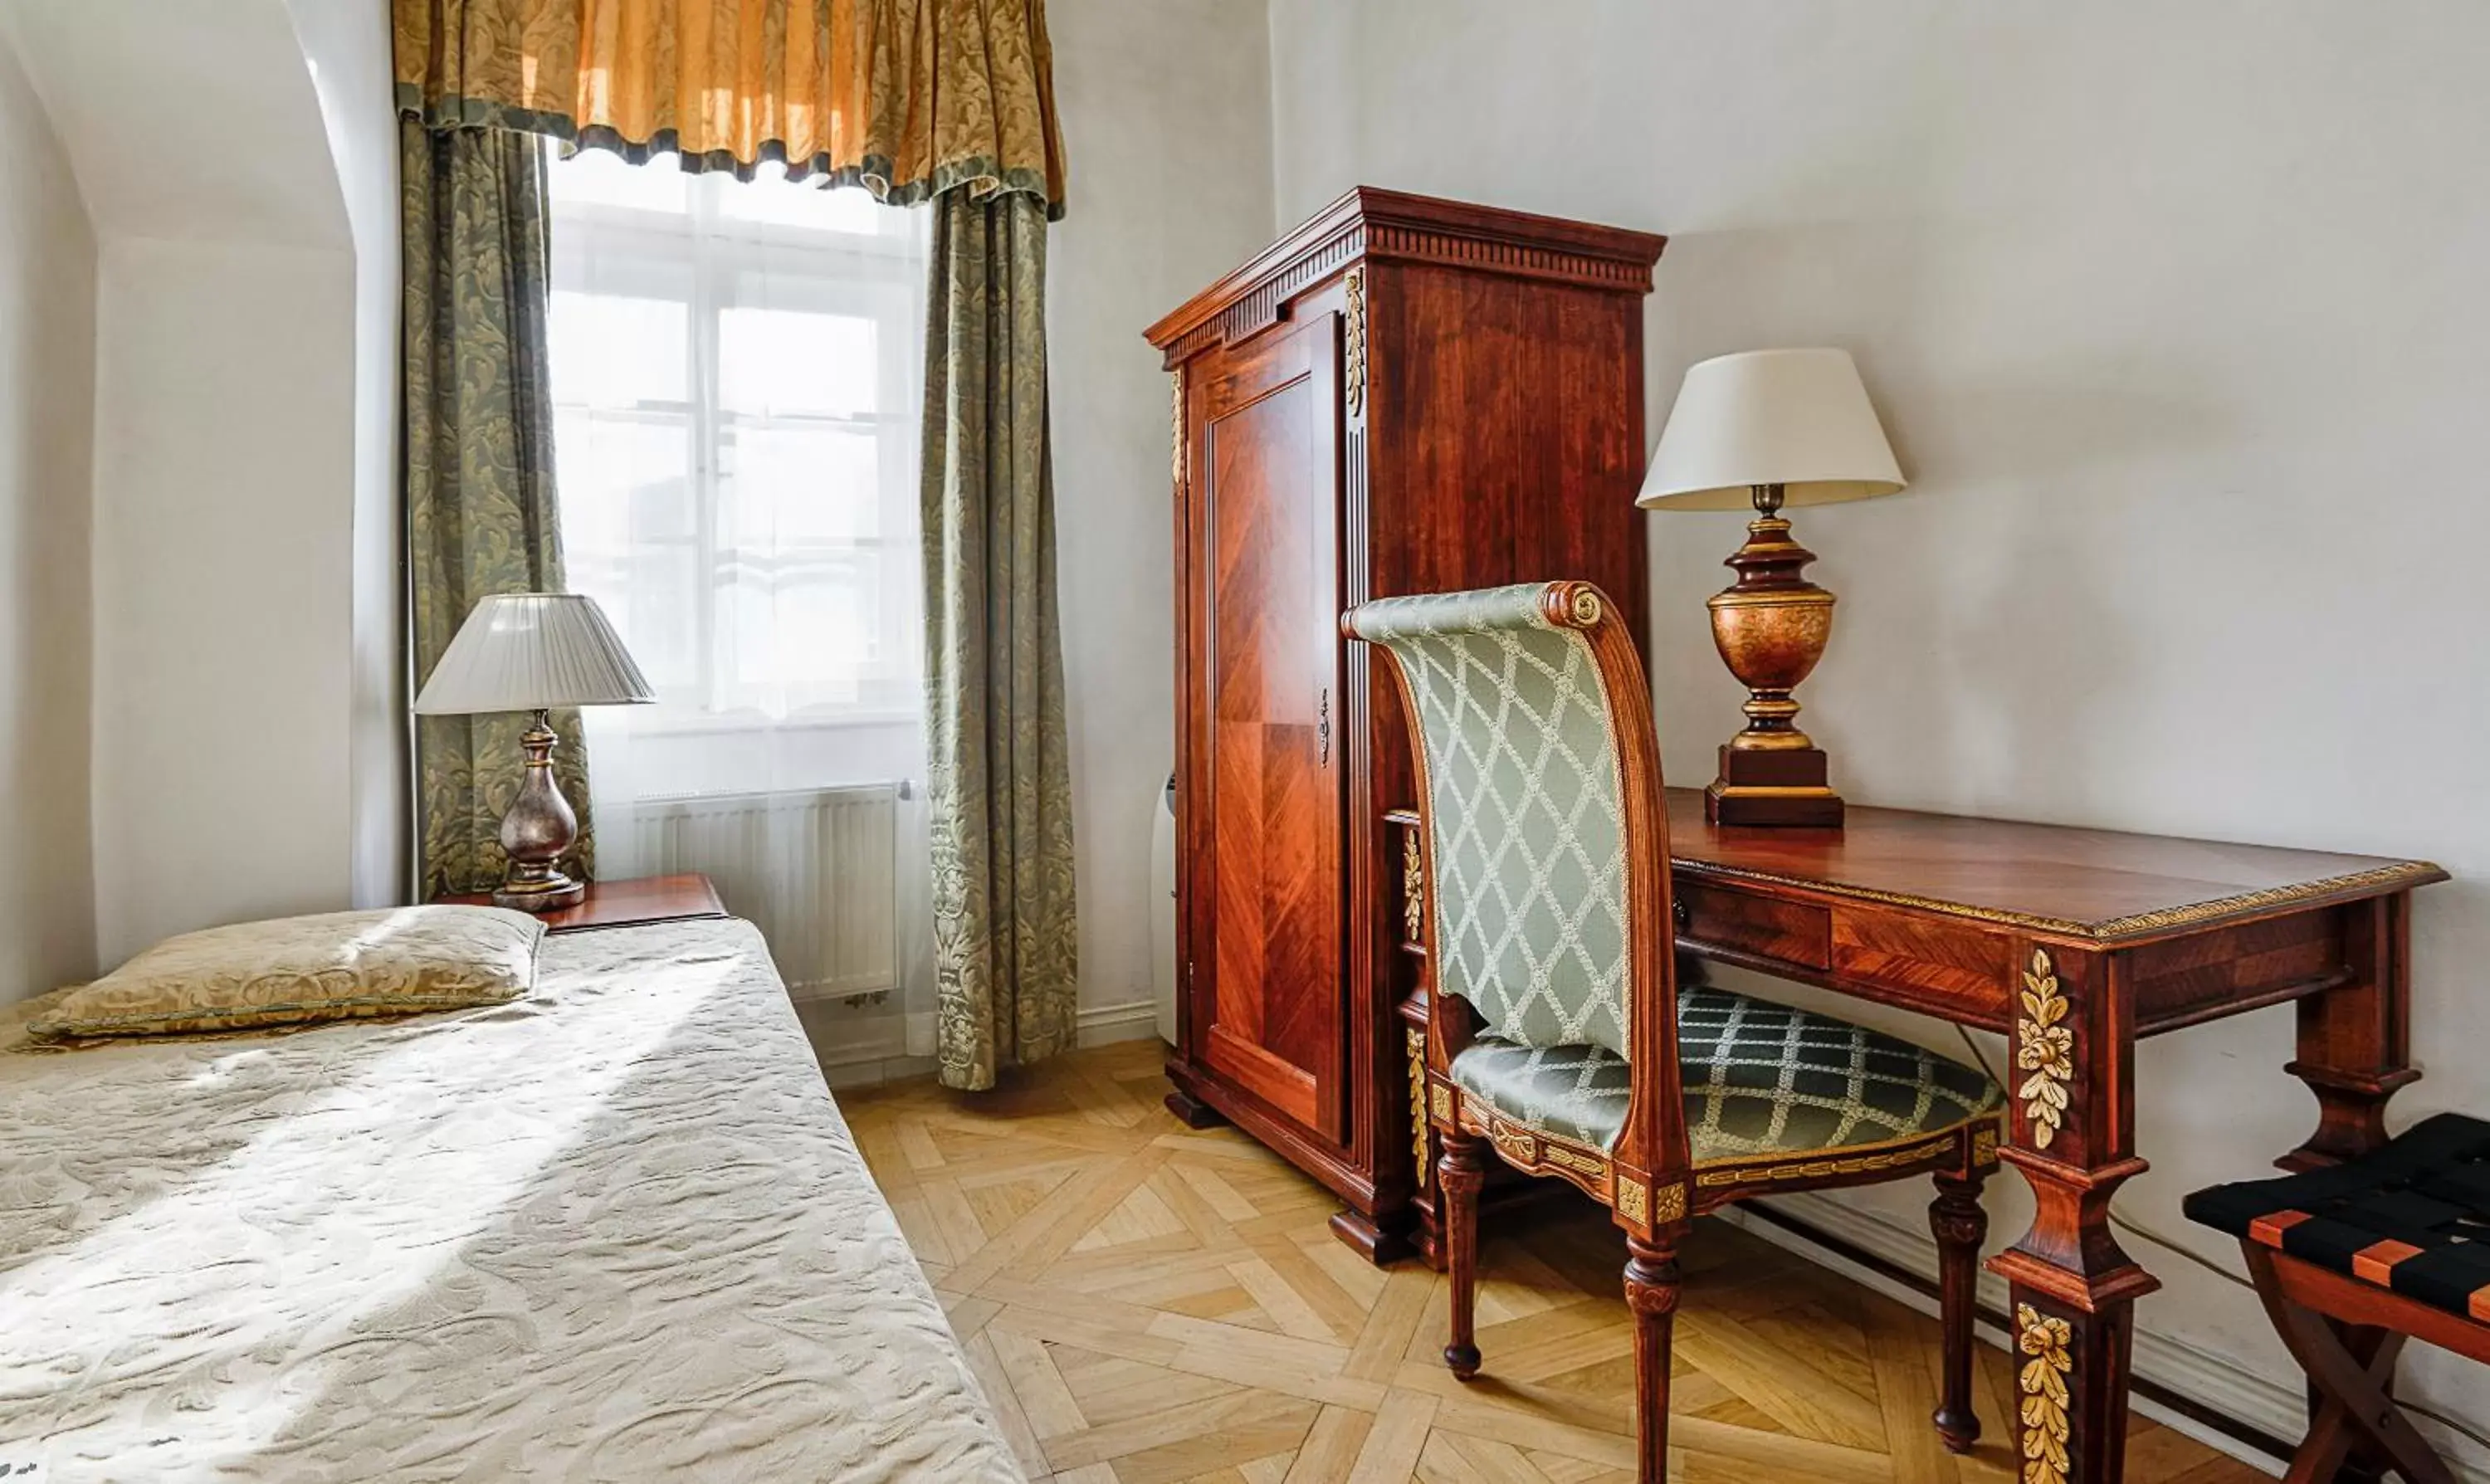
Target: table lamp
[
  {"x": 1777, "y": 427},
  {"x": 531, "y": 651}
]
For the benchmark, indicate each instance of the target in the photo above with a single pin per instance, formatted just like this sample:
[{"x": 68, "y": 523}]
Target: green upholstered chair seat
[{"x": 1760, "y": 1079}]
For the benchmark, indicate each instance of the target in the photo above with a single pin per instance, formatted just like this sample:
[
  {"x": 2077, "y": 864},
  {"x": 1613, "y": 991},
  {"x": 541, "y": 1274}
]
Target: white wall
[
  {"x": 2175, "y": 315},
  {"x": 225, "y": 421},
  {"x": 46, "y": 419},
  {"x": 247, "y": 744},
  {"x": 346, "y": 47},
  {"x": 1167, "y": 124}
]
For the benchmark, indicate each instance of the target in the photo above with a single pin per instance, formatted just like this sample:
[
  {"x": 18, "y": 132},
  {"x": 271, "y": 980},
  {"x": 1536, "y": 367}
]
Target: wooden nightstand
[{"x": 625, "y": 903}]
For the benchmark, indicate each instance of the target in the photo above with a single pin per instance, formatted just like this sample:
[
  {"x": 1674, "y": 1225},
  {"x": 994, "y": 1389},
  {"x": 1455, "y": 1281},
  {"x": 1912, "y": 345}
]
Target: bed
[{"x": 614, "y": 1230}]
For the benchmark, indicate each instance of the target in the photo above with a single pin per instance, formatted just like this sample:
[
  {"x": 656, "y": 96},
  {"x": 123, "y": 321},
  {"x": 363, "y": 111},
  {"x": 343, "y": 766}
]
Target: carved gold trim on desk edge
[
  {"x": 2042, "y": 1381},
  {"x": 2043, "y": 1048},
  {"x": 2401, "y": 876}
]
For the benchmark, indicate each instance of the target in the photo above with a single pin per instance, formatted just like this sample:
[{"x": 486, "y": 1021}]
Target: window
[{"x": 736, "y": 376}]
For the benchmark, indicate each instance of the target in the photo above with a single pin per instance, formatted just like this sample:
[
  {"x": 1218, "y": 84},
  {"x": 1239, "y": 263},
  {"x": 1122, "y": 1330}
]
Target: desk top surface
[{"x": 2053, "y": 879}]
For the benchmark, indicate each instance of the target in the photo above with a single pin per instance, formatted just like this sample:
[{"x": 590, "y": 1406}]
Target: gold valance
[{"x": 907, "y": 97}]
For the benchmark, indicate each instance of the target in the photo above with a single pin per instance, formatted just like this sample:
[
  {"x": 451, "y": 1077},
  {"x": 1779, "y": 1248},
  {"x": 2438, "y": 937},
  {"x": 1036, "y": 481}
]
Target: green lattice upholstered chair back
[
  {"x": 1528, "y": 834},
  {"x": 1525, "y": 809}
]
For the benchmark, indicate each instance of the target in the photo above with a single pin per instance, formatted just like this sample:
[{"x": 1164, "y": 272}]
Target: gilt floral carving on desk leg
[
  {"x": 2045, "y": 1048},
  {"x": 2042, "y": 1381}
]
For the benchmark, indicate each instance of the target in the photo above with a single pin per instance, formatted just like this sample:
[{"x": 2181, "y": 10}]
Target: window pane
[
  {"x": 660, "y": 618},
  {"x": 631, "y": 536},
  {"x": 769, "y": 197},
  {"x": 736, "y": 380},
  {"x": 794, "y": 361},
  {"x": 603, "y": 178},
  {"x": 623, "y": 478},
  {"x": 612, "y": 350},
  {"x": 800, "y": 624},
  {"x": 799, "y": 484}
]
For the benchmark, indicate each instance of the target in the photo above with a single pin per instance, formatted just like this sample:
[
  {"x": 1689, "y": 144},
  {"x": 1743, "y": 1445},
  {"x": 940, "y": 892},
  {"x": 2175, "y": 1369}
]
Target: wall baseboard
[
  {"x": 2248, "y": 1415},
  {"x": 861, "y": 1051},
  {"x": 1130, "y": 1021}
]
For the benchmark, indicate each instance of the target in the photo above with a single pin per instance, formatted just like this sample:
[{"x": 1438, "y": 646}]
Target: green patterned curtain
[
  {"x": 477, "y": 452},
  {"x": 1000, "y": 799}
]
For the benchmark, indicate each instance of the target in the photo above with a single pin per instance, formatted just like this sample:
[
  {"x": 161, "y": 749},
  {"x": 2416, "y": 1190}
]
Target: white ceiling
[{"x": 186, "y": 120}]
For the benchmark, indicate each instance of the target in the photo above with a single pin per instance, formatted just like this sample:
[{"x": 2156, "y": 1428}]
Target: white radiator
[{"x": 816, "y": 870}]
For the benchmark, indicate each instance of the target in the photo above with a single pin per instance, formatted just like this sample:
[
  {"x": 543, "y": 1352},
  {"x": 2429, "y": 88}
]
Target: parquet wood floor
[{"x": 1145, "y": 1304}]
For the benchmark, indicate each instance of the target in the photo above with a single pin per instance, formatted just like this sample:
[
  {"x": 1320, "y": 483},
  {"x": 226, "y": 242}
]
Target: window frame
[{"x": 706, "y": 258}]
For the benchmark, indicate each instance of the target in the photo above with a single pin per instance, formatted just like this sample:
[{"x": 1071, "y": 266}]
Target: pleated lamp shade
[{"x": 525, "y": 652}]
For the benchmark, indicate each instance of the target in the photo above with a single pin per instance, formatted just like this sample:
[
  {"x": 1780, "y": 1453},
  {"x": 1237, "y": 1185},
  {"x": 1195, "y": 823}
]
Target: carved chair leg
[
  {"x": 1652, "y": 1284},
  {"x": 1458, "y": 1173},
  {"x": 1960, "y": 1224}
]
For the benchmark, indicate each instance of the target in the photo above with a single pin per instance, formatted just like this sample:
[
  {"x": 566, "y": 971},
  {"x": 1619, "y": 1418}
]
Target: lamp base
[
  {"x": 551, "y": 894},
  {"x": 1782, "y": 789},
  {"x": 538, "y": 827},
  {"x": 1770, "y": 626}
]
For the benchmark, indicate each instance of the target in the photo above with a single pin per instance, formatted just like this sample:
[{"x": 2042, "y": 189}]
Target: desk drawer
[
  {"x": 1945, "y": 969},
  {"x": 1787, "y": 931}
]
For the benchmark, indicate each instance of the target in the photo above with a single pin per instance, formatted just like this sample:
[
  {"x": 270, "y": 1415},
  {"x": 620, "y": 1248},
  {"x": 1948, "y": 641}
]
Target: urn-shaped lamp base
[
  {"x": 538, "y": 828},
  {"x": 1771, "y": 626}
]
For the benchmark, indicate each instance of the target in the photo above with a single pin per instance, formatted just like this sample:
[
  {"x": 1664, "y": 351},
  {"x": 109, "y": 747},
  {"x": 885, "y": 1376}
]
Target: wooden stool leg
[
  {"x": 1652, "y": 1283},
  {"x": 2356, "y": 1407},
  {"x": 1458, "y": 1173},
  {"x": 1962, "y": 1225},
  {"x": 2352, "y": 1463}
]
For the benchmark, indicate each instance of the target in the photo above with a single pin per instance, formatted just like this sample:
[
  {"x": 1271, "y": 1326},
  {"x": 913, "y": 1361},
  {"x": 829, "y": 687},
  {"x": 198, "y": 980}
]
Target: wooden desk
[{"x": 2074, "y": 943}]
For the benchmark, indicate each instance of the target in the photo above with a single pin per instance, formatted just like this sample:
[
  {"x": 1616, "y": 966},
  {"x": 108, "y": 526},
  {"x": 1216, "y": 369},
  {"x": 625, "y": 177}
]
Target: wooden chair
[
  {"x": 1545, "y": 860},
  {"x": 2353, "y": 1260}
]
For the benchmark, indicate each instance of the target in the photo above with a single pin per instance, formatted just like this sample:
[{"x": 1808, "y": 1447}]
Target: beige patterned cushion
[{"x": 290, "y": 971}]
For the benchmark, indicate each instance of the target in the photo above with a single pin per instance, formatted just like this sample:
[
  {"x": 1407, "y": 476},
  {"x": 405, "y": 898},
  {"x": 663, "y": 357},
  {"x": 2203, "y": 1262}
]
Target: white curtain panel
[{"x": 738, "y": 375}]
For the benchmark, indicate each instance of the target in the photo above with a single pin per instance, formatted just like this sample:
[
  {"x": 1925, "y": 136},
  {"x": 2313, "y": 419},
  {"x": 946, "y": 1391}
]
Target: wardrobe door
[{"x": 1267, "y": 944}]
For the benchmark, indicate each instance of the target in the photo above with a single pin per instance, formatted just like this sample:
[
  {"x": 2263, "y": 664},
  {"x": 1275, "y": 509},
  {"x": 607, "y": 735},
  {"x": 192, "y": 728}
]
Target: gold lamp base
[
  {"x": 1771, "y": 626},
  {"x": 538, "y": 829}
]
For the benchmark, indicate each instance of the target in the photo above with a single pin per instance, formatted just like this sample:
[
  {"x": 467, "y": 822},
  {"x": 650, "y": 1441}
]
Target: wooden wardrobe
[{"x": 1402, "y": 396}]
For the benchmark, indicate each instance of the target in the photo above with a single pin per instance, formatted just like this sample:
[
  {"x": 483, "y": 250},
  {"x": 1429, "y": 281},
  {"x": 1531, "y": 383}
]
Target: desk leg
[
  {"x": 2356, "y": 1039},
  {"x": 2074, "y": 1289}
]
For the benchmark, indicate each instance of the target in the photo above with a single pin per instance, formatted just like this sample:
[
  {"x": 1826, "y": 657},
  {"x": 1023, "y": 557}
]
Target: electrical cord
[{"x": 2181, "y": 1249}]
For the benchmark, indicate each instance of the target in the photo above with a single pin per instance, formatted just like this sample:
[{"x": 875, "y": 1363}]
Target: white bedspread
[{"x": 615, "y": 1231}]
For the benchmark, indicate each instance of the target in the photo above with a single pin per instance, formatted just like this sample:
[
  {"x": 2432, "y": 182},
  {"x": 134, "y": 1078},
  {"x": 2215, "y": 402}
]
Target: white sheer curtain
[{"x": 737, "y": 373}]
